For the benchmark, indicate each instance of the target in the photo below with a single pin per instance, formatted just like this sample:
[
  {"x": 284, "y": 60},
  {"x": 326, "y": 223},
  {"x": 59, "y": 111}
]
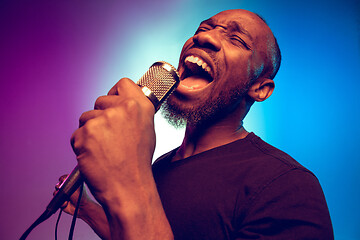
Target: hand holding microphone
[
  {"x": 115, "y": 140},
  {"x": 114, "y": 145},
  {"x": 157, "y": 84}
]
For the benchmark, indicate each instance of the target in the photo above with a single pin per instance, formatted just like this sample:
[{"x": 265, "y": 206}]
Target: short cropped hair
[{"x": 274, "y": 54}]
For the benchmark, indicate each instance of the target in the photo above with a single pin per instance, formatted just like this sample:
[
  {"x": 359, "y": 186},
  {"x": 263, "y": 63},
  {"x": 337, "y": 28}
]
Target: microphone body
[
  {"x": 67, "y": 188},
  {"x": 157, "y": 84}
]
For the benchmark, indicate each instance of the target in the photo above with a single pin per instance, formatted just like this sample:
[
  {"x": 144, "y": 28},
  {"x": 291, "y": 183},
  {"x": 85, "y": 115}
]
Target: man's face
[{"x": 217, "y": 65}]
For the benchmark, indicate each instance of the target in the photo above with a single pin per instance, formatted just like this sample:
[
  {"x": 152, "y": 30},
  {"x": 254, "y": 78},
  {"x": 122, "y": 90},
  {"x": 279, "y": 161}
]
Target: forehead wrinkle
[{"x": 230, "y": 24}]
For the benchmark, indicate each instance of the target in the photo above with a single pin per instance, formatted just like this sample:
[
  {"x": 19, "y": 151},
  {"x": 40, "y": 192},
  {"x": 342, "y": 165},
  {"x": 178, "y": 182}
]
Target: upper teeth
[{"x": 199, "y": 62}]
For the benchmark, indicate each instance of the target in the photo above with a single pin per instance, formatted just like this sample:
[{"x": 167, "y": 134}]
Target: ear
[{"x": 261, "y": 89}]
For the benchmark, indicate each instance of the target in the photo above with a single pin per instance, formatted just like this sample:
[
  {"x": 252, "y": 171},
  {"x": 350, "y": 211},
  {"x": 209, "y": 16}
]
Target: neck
[{"x": 202, "y": 138}]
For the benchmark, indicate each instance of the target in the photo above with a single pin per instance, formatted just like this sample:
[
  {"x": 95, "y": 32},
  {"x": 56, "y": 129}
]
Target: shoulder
[
  {"x": 286, "y": 198},
  {"x": 268, "y": 151},
  {"x": 270, "y": 171},
  {"x": 261, "y": 162},
  {"x": 291, "y": 206}
]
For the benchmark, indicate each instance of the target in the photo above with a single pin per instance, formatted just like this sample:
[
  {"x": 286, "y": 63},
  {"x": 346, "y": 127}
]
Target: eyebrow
[
  {"x": 238, "y": 27},
  {"x": 232, "y": 24}
]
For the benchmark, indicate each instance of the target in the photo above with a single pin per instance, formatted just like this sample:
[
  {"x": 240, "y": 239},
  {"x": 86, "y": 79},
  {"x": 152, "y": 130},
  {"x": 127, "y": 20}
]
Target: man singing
[{"x": 222, "y": 182}]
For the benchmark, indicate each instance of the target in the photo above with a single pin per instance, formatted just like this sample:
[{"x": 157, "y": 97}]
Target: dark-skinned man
[{"x": 222, "y": 182}]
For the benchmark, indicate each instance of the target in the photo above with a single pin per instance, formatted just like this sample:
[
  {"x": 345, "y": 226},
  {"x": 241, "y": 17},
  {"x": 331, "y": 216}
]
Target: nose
[{"x": 208, "y": 39}]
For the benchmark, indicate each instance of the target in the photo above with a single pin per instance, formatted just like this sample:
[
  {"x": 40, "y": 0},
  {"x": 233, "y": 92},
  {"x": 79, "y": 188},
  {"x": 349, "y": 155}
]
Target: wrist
[{"x": 137, "y": 215}]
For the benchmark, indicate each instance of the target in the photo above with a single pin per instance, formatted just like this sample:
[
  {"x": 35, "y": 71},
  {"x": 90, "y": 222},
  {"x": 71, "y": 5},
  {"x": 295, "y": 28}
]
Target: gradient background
[{"x": 57, "y": 57}]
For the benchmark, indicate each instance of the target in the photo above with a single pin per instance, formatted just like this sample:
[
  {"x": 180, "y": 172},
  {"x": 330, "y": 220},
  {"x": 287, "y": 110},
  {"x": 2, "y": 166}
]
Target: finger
[
  {"x": 105, "y": 102},
  {"x": 86, "y": 116},
  {"x": 127, "y": 89},
  {"x": 121, "y": 86},
  {"x": 76, "y": 141},
  {"x": 63, "y": 177},
  {"x": 61, "y": 180},
  {"x": 64, "y": 205}
]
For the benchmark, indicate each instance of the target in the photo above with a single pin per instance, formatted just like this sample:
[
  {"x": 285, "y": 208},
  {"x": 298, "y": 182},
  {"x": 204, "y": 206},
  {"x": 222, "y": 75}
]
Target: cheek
[
  {"x": 239, "y": 62},
  {"x": 187, "y": 45},
  {"x": 234, "y": 82}
]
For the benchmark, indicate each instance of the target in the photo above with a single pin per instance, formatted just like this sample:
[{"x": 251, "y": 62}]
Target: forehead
[
  {"x": 242, "y": 20},
  {"x": 239, "y": 15}
]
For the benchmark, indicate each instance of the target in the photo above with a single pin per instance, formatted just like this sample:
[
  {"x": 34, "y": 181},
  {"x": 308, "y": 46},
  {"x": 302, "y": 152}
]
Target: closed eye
[
  {"x": 238, "y": 40},
  {"x": 201, "y": 29}
]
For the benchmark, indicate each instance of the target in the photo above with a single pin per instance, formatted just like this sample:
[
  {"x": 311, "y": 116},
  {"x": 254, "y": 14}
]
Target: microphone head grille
[{"x": 161, "y": 79}]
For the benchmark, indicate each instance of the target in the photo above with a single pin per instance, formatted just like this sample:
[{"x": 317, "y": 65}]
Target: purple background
[{"x": 57, "y": 57}]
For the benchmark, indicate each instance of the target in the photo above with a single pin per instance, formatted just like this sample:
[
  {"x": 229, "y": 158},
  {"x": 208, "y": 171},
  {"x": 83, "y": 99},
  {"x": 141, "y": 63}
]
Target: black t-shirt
[{"x": 243, "y": 190}]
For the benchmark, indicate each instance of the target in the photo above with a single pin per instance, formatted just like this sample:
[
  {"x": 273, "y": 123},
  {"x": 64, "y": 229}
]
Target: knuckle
[
  {"x": 126, "y": 108},
  {"x": 120, "y": 86},
  {"x": 78, "y": 141},
  {"x": 73, "y": 138},
  {"x": 113, "y": 114},
  {"x": 99, "y": 102},
  {"x": 90, "y": 128},
  {"x": 82, "y": 119},
  {"x": 90, "y": 124},
  {"x": 131, "y": 105},
  {"x": 132, "y": 109},
  {"x": 125, "y": 81}
]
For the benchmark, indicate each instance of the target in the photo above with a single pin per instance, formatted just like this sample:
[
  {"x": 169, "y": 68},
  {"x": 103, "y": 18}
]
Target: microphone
[{"x": 157, "y": 84}]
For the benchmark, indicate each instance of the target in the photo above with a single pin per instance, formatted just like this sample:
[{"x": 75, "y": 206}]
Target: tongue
[{"x": 195, "y": 82}]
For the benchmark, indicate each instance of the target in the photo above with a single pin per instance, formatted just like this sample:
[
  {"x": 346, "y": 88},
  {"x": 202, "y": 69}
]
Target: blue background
[{"x": 57, "y": 57}]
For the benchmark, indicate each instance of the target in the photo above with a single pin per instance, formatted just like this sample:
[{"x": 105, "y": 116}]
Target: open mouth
[{"x": 197, "y": 73}]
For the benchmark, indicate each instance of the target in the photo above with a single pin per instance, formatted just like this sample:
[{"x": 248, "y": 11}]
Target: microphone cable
[
  {"x": 71, "y": 232},
  {"x": 45, "y": 215},
  {"x": 57, "y": 224}
]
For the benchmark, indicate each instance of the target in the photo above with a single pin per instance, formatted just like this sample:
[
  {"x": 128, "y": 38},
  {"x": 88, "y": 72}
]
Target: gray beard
[{"x": 209, "y": 111}]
